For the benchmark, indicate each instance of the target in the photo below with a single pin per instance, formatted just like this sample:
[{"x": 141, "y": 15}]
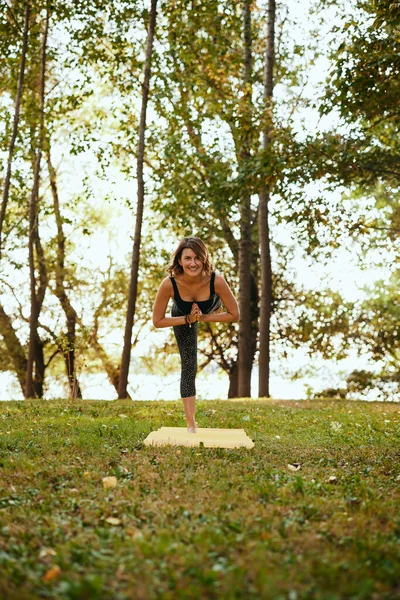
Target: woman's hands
[{"x": 195, "y": 313}]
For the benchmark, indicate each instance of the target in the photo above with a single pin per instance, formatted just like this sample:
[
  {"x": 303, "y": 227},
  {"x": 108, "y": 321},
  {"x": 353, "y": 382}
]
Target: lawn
[{"x": 311, "y": 512}]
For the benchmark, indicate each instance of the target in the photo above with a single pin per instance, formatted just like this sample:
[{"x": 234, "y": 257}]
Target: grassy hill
[{"x": 311, "y": 512}]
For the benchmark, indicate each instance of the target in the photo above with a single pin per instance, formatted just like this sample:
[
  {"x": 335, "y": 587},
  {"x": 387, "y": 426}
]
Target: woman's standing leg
[
  {"x": 189, "y": 406},
  {"x": 186, "y": 338}
]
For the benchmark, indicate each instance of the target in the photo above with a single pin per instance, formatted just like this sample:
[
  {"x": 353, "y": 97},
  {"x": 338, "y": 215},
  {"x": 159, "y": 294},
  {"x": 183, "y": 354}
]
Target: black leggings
[{"x": 186, "y": 338}]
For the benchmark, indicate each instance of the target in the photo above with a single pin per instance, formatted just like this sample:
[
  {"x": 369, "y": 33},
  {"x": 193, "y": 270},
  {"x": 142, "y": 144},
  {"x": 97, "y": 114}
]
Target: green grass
[{"x": 200, "y": 522}]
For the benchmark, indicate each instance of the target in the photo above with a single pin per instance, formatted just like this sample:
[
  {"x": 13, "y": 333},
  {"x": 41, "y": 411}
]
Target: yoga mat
[{"x": 210, "y": 437}]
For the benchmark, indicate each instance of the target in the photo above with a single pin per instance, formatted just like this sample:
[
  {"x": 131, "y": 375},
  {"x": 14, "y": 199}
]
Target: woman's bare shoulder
[
  {"x": 219, "y": 282},
  {"x": 166, "y": 286}
]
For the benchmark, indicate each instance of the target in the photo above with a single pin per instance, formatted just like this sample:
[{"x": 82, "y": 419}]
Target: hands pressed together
[{"x": 195, "y": 313}]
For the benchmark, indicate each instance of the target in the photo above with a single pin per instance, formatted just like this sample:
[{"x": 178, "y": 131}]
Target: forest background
[{"x": 270, "y": 131}]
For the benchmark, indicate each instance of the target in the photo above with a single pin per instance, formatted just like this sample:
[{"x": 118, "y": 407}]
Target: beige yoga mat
[{"x": 210, "y": 437}]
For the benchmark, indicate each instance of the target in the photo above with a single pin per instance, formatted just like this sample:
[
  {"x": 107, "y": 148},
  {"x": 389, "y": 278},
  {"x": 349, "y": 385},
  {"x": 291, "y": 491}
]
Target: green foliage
[{"x": 363, "y": 86}]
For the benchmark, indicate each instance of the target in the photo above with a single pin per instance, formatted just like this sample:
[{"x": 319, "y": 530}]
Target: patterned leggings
[{"x": 186, "y": 338}]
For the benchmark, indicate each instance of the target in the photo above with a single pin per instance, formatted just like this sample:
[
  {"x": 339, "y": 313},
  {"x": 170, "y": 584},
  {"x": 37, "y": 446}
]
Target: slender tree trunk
[
  {"x": 33, "y": 214},
  {"x": 244, "y": 354},
  {"x": 263, "y": 216},
  {"x": 40, "y": 293},
  {"x": 126, "y": 354},
  {"x": 233, "y": 391},
  {"x": 7, "y": 181},
  {"x": 69, "y": 311},
  {"x": 40, "y": 367}
]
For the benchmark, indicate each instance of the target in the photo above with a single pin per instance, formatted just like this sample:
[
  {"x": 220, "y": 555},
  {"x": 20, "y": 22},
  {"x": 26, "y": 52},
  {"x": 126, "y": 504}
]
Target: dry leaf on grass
[
  {"x": 109, "y": 482},
  {"x": 294, "y": 466},
  {"x": 52, "y": 573},
  {"x": 113, "y": 521},
  {"x": 44, "y": 552}
]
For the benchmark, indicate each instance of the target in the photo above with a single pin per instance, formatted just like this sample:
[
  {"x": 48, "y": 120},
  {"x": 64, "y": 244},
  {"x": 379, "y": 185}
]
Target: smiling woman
[{"x": 197, "y": 292}]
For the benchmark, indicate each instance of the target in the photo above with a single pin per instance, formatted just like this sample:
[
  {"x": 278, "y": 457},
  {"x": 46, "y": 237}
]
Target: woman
[{"x": 197, "y": 292}]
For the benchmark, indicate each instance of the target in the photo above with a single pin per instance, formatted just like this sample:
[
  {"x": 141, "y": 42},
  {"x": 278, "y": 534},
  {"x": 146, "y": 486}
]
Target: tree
[
  {"x": 37, "y": 296},
  {"x": 122, "y": 393},
  {"x": 61, "y": 102},
  {"x": 263, "y": 210},
  {"x": 363, "y": 87},
  {"x": 245, "y": 355},
  {"x": 207, "y": 157},
  {"x": 69, "y": 348},
  {"x": 6, "y": 189}
]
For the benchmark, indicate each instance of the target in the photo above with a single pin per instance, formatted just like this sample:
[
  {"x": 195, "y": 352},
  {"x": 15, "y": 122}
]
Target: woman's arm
[
  {"x": 229, "y": 301},
  {"x": 160, "y": 306}
]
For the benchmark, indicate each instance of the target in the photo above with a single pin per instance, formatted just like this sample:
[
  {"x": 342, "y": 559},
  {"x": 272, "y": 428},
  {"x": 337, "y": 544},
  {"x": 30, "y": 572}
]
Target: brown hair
[{"x": 199, "y": 247}]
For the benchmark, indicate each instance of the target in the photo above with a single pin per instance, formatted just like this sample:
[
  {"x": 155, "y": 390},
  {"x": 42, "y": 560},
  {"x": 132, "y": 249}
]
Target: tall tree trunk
[
  {"x": 263, "y": 216},
  {"x": 33, "y": 214},
  {"x": 126, "y": 354},
  {"x": 21, "y": 76},
  {"x": 40, "y": 293},
  {"x": 244, "y": 354},
  {"x": 69, "y": 311},
  {"x": 38, "y": 382},
  {"x": 233, "y": 391}
]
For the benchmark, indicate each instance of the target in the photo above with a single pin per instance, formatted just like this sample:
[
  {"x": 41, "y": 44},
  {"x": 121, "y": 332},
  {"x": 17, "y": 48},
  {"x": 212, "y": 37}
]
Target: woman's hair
[{"x": 198, "y": 247}]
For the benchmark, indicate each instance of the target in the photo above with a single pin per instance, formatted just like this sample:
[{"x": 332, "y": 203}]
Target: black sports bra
[{"x": 206, "y": 306}]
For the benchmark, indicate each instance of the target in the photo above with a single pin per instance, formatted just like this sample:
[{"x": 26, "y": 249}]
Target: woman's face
[{"x": 190, "y": 262}]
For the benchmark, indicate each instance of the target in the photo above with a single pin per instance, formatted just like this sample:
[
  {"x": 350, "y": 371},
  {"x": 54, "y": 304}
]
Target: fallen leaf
[
  {"x": 109, "y": 482},
  {"x": 113, "y": 521},
  {"x": 335, "y": 426},
  {"x": 47, "y": 552},
  {"x": 86, "y": 474},
  {"x": 52, "y": 573},
  {"x": 294, "y": 466}
]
